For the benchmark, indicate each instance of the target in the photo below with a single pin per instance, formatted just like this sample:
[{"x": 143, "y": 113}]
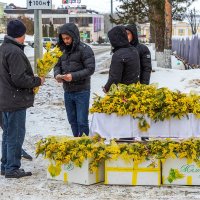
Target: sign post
[
  {"x": 38, "y": 6},
  {"x": 38, "y": 46}
]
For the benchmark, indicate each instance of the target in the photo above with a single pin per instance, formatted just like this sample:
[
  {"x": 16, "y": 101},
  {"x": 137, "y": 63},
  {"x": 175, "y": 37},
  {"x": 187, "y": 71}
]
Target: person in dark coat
[
  {"x": 145, "y": 56},
  {"x": 16, "y": 95},
  {"x": 74, "y": 70},
  {"x": 125, "y": 64},
  {"x": 144, "y": 53}
]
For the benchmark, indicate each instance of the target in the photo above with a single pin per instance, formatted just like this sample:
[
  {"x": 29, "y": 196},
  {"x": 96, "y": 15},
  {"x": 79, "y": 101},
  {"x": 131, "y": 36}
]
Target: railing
[{"x": 188, "y": 51}]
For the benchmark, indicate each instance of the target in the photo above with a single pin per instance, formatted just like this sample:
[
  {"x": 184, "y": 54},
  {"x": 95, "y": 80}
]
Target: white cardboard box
[
  {"x": 119, "y": 172},
  {"x": 188, "y": 172},
  {"x": 72, "y": 174}
]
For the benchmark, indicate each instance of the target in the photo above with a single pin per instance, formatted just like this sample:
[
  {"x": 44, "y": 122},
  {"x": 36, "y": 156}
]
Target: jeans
[
  {"x": 77, "y": 106},
  {"x": 12, "y": 139}
]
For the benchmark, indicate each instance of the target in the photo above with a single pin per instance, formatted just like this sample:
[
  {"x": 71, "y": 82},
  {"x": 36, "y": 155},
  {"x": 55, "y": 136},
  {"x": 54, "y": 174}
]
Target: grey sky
[{"x": 99, "y": 5}]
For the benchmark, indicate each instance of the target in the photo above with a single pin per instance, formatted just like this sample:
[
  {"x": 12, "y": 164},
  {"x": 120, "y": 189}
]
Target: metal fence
[{"x": 188, "y": 49}]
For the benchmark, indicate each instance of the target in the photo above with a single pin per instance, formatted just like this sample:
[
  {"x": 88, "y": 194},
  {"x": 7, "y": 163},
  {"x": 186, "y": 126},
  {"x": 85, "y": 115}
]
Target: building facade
[
  {"x": 179, "y": 29},
  {"x": 2, "y": 24},
  {"x": 91, "y": 25}
]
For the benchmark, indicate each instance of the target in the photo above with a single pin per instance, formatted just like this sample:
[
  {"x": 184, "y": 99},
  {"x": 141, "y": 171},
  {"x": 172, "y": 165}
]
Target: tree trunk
[
  {"x": 152, "y": 32},
  {"x": 159, "y": 21},
  {"x": 168, "y": 33}
]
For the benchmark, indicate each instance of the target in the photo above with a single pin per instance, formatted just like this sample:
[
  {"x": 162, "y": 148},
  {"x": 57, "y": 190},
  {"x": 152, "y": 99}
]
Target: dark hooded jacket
[
  {"x": 144, "y": 53},
  {"x": 78, "y": 60},
  {"x": 1, "y": 120},
  {"x": 125, "y": 64},
  {"x": 16, "y": 77}
]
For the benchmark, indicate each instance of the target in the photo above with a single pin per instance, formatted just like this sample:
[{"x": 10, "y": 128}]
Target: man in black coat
[
  {"x": 74, "y": 69},
  {"x": 144, "y": 53},
  {"x": 125, "y": 64},
  {"x": 16, "y": 95}
]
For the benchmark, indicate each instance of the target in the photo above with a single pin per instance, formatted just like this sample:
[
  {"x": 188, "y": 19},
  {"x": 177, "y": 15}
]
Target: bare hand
[
  {"x": 104, "y": 90},
  {"x": 42, "y": 80},
  {"x": 67, "y": 77},
  {"x": 59, "y": 78}
]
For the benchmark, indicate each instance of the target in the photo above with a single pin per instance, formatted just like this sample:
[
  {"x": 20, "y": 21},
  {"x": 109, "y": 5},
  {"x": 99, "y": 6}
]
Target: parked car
[
  {"x": 45, "y": 40},
  {"x": 49, "y": 39}
]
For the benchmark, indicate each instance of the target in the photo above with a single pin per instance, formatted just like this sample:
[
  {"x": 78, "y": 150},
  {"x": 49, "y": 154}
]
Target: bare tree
[{"x": 193, "y": 21}]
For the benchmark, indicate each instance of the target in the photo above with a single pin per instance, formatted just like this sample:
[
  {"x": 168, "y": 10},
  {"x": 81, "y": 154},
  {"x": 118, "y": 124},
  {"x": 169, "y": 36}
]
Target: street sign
[
  {"x": 84, "y": 35},
  {"x": 39, "y": 4}
]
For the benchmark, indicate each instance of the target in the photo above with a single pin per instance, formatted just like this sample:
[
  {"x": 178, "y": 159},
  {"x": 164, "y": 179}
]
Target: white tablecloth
[{"x": 113, "y": 126}]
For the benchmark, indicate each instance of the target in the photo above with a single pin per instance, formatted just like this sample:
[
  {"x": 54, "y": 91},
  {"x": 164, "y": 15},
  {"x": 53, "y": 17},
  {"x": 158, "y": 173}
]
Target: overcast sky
[{"x": 98, "y": 5}]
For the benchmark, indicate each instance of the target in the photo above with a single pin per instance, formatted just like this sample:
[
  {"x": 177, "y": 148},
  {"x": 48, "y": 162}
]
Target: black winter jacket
[
  {"x": 16, "y": 77},
  {"x": 78, "y": 60},
  {"x": 125, "y": 64},
  {"x": 144, "y": 53},
  {"x": 1, "y": 120}
]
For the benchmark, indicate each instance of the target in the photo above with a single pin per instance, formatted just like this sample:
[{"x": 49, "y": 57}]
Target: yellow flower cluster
[
  {"x": 64, "y": 150},
  {"x": 48, "y": 61},
  {"x": 140, "y": 100}
]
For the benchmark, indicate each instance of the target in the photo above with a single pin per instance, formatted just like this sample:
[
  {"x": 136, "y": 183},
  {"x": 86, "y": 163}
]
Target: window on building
[
  {"x": 181, "y": 32},
  {"x": 81, "y": 21},
  {"x": 45, "y": 21},
  {"x": 59, "y": 20}
]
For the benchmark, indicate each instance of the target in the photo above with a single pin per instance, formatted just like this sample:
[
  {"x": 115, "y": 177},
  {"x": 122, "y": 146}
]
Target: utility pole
[
  {"x": 111, "y": 2},
  {"x": 168, "y": 33},
  {"x": 38, "y": 47}
]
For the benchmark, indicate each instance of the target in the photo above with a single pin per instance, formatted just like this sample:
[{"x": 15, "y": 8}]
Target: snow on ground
[{"x": 48, "y": 117}]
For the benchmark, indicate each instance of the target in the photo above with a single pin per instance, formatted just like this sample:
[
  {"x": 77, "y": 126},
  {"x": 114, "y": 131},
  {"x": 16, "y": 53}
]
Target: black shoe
[
  {"x": 144, "y": 138},
  {"x": 26, "y": 155},
  {"x": 2, "y": 173},
  {"x": 18, "y": 173}
]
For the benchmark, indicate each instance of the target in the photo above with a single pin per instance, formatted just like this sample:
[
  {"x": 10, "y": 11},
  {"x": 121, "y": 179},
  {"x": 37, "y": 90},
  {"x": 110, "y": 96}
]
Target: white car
[
  {"x": 44, "y": 41},
  {"x": 49, "y": 39}
]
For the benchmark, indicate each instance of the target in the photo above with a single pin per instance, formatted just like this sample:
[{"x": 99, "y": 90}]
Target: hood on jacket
[
  {"x": 72, "y": 30},
  {"x": 133, "y": 29},
  {"x": 118, "y": 37}
]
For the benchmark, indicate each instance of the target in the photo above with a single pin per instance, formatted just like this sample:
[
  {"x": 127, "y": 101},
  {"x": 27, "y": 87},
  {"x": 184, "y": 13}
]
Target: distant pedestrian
[
  {"x": 16, "y": 95},
  {"x": 125, "y": 64},
  {"x": 144, "y": 53}
]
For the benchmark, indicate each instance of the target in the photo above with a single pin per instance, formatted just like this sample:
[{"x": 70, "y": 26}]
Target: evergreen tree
[
  {"x": 44, "y": 31},
  {"x": 51, "y": 30},
  {"x": 152, "y": 11},
  {"x": 139, "y": 10}
]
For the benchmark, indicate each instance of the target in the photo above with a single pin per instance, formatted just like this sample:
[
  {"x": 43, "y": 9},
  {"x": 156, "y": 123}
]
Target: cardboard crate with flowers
[
  {"x": 74, "y": 160},
  {"x": 120, "y": 172},
  {"x": 139, "y": 163},
  {"x": 75, "y": 174},
  {"x": 81, "y": 160},
  {"x": 131, "y": 164},
  {"x": 182, "y": 165},
  {"x": 158, "y": 112}
]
